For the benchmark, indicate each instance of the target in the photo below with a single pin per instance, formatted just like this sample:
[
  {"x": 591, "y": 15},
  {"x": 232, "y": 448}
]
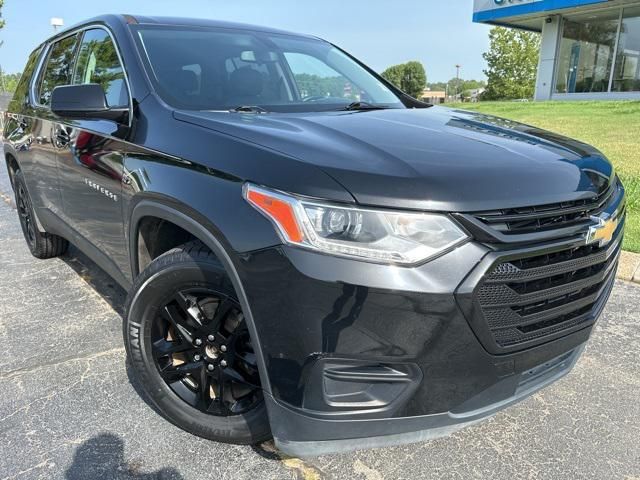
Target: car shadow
[
  {"x": 102, "y": 457},
  {"x": 112, "y": 293},
  {"x": 96, "y": 278}
]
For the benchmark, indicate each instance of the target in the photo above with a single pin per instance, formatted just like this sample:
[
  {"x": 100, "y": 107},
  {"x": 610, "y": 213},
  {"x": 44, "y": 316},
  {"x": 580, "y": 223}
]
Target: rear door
[
  {"x": 90, "y": 154},
  {"x": 38, "y": 154}
]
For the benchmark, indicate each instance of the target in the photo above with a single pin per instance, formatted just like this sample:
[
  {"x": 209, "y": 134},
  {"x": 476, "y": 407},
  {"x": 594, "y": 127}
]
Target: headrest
[
  {"x": 246, "y": 81},
  {"x": 187, "y": 81}
]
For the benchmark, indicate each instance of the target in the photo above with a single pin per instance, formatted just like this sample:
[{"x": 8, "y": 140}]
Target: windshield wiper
[
  {"x": 249, "y": 109},
  {"x": 364, "y": 106}
]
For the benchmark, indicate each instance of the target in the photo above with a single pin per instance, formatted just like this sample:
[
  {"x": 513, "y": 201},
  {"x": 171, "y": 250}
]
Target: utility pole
[{"x": 458, "y": 67}]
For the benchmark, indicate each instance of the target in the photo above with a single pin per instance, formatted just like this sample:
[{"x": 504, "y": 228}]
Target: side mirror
[{"x": 86, "y": 101}]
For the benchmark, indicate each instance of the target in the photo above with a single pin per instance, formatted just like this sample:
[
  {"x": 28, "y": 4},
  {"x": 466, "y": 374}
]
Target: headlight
[{"x": 376, "y": 235}]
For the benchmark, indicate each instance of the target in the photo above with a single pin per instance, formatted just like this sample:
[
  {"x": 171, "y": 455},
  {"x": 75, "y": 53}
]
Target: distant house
[{"x": 433, "y": 96}]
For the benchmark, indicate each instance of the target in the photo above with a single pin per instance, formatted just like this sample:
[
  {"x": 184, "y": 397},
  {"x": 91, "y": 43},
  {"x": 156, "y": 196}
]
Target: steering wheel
[{"x": 314, "y": 98}]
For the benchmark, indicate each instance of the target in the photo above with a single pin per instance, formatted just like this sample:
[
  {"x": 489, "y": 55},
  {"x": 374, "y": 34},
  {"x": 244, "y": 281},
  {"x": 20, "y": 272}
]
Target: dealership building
[{"x": 590, "y": 49}]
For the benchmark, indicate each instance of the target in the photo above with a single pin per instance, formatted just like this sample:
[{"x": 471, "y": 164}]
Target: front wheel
[{"x": 189, "y": 345}]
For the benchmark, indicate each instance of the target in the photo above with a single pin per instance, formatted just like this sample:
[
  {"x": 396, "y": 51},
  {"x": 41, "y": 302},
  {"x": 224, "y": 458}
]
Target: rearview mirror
[
  {"x": 250, "y": 56},
  {"x": 86, "y": 101}
]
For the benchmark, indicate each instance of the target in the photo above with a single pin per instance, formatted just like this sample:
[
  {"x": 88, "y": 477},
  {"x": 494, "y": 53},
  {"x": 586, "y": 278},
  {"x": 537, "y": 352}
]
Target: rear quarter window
[{"x": 21, "y": 96}]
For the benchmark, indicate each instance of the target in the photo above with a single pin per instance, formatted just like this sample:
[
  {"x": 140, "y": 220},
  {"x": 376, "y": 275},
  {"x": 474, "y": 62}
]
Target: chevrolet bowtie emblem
[{"x": 603, "y": 231}]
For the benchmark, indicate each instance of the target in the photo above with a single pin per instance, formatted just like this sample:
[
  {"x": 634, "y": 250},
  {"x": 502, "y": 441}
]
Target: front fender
[
  {"x": 212, "y": 199},
  {"x": 155, "y": 208}
]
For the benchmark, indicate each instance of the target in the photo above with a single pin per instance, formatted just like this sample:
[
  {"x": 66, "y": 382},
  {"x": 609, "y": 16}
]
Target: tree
[
  {"x": 2, "y": 76},
  {"x": 415, "y": 79},
  {"x": 452, "y": 84},
  {"x": 437, "y": 86},
  {"x": 9, "y": 82},
  {"x": 472, "y": 84},
  {"x": 512, "y": 61},
  {"x": 409, "y": 77},
  {"x": 394, "y": 74},
  {"x": 460, "y": 85}
]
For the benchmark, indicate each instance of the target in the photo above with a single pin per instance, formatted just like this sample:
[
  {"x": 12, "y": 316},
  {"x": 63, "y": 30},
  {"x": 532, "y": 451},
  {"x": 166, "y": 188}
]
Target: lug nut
[
  {"x": 197, "y": 358},
  {"x": 198, "y": 342},
  {"x": 211, "y": 338},
  {"x": 223, "y": 363},
  {"x": 223, "y": 348},
  {"x": 210, "y": 367}
]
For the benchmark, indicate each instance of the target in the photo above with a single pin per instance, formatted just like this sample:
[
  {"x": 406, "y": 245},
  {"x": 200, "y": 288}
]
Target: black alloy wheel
[
  {"x": 24, "y": 211},
  {"x": 202, "y": 349},
  {"x": 193, "y": 350}
]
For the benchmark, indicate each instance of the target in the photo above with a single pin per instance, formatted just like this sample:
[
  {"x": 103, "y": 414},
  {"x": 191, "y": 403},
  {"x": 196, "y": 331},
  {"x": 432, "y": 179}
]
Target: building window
[
  {"x": 626, "y": 77},
  {"x": 586, "y": 53}
]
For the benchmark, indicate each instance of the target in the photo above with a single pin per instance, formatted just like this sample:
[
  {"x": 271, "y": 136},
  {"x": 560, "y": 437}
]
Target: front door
[{"x": 90, "y": 156}]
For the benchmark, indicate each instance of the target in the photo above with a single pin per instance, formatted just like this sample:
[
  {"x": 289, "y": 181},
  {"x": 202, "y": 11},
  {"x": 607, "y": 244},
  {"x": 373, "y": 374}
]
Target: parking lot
[{"x": 70, "y": 409}]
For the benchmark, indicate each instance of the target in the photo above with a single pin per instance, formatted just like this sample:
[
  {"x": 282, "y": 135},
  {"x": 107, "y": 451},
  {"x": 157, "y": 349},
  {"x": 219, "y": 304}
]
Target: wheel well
[
  {"x": 12, "y": 167},
  {"x": 157, "y": 236}
]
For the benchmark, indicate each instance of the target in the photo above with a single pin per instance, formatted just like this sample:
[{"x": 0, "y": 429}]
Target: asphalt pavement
[{"x": 70, "y": 409}]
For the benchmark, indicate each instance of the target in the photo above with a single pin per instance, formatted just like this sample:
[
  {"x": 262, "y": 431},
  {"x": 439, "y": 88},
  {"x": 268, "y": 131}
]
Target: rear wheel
[
  {"x": 41, "y": 244},
  {"x": 189, "y": 344}
]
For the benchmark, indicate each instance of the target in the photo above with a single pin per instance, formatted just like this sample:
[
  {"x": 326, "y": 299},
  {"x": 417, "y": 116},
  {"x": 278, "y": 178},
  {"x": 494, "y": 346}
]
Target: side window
[
  {"x": 98, "y": 63},
  {"x": 58, "y": 69}
]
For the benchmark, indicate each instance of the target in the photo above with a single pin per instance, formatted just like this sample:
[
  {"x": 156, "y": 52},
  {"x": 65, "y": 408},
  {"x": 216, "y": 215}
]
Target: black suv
[{"x": 310, "y": 253}]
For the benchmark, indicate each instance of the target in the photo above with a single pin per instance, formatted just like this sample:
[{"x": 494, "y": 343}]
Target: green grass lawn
[{"x": 612, "y": 127}]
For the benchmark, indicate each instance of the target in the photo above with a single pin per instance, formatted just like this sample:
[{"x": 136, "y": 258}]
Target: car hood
[{"x": 428, "y": 159}]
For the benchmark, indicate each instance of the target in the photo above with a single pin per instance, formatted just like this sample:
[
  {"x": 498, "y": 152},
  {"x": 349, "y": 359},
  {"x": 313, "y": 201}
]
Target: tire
[
  {"x": 158, "y": 320},
  {"x": 41, "y": 244}
]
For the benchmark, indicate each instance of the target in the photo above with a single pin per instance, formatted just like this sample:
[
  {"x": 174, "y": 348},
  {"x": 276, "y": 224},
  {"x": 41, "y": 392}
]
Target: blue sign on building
[{"x": 491, "y": 10}]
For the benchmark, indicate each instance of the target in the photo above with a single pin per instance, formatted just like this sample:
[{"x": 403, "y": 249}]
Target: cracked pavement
[{"x": 69, "y": 408}]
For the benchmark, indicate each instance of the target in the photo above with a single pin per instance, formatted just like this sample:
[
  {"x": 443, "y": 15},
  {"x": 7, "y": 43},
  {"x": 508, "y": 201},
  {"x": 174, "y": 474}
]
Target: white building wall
[{"x": 549, "y": 43}]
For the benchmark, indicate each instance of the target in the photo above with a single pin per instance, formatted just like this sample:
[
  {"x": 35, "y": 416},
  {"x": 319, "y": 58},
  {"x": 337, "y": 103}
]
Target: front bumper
[
  {"x": 299, "y": 434},
  {"x": 390, "y": 355}
]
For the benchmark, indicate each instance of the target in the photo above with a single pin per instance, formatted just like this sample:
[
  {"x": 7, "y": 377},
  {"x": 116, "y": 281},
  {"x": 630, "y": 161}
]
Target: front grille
[
  {"x": 541, "y": 281},
  {"x": 532, "y": 297},
  {"x": 540, "y": 218}
]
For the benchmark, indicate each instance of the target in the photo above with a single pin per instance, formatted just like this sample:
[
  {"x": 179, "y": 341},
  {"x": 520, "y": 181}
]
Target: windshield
[{"x": 224, "y": 69}]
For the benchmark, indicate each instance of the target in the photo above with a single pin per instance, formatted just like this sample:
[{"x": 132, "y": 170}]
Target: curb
[{"x": 629, "y": 267}]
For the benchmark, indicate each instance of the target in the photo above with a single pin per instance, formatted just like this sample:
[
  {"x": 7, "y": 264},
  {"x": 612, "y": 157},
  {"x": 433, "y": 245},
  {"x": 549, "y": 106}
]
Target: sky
[{"x": 438, "y": 33}]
